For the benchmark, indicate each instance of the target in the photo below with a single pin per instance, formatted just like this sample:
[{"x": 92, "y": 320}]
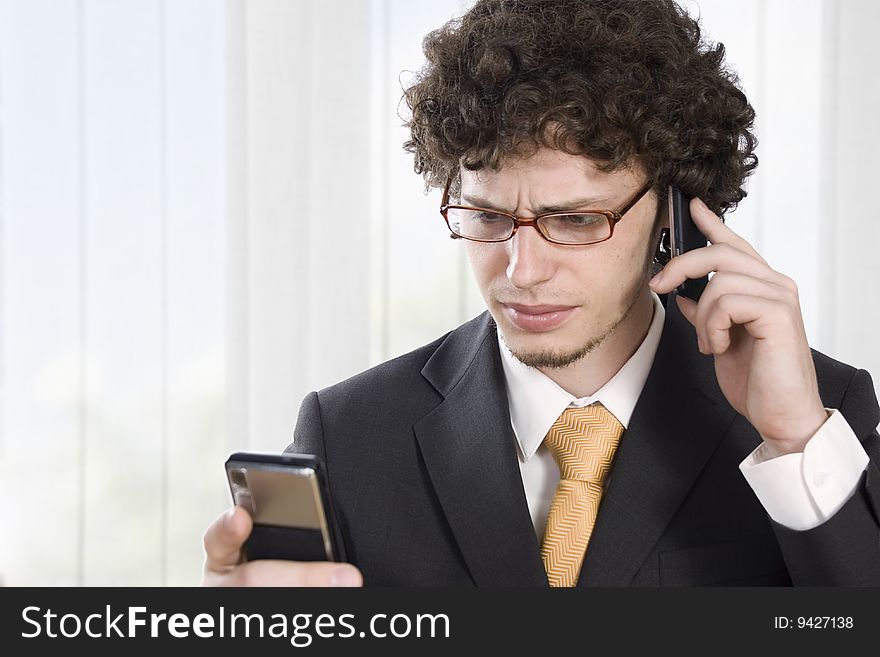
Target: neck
[{"x": 594, "y": 370}]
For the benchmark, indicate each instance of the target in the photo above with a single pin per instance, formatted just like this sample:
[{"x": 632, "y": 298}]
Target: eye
[
  {"x": 581, "y": 220},
  {"x": 490, "y": 217}
]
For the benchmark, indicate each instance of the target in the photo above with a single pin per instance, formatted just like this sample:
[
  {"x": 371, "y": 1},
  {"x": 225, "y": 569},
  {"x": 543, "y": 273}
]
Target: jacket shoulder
[
  {"x": 394, "y": 376},
  {"x": 428, "y": 370}
]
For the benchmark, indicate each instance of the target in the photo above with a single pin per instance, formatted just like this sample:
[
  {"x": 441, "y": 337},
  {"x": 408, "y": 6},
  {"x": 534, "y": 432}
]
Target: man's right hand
[{"x": 225, "y": 564}]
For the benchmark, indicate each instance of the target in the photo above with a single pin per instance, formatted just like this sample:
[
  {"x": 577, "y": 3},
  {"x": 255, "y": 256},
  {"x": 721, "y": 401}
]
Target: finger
[
  {"x": 717, "y": 232},
  {"x": 715, "y": 258},
  {"x": 757, "y": 315},
  {"x": 267, "y": 572},
  {"x": 724, "y": 283},
  {"x": 224, "y": 538},
  {"x": 688, "y": 309}
]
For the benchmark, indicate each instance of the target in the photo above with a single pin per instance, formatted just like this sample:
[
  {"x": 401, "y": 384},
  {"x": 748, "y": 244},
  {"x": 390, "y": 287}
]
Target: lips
[{"x": 538, "y": 318}]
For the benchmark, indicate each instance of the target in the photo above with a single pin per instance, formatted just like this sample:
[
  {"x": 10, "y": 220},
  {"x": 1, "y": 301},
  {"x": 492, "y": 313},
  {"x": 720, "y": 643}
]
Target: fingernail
[
  {"x": 344, "y": 576},
  {"x": 654, "y": 282},
  {"x": 227, "y": 519}
]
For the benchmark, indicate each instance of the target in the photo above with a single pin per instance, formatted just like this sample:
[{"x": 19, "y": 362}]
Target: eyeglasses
[{"x": 571, "y": 227}]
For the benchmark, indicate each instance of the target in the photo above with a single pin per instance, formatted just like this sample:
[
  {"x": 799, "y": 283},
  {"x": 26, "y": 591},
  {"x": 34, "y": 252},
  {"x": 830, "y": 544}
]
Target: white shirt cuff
[{"x": 803, "y": 490}]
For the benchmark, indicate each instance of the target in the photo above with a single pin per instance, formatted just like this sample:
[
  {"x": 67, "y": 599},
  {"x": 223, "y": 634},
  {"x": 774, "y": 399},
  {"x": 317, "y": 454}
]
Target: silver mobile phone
[{"x": 289, "y": 501}]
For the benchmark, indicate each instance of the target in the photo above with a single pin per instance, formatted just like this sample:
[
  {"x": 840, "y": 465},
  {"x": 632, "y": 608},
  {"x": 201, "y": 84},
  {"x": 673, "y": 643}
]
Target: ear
[{"x": 662, "y": 254}]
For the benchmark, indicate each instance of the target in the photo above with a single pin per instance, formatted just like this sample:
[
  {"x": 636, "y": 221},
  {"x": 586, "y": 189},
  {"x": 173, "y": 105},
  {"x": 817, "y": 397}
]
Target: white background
[{"x": 171, "y": 287}]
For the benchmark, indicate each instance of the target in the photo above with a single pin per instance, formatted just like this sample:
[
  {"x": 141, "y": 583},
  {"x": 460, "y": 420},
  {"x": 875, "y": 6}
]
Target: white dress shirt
[{"x": 799, "y": 491}]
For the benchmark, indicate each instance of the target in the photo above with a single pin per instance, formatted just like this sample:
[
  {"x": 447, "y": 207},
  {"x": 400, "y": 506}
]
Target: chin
[
  {"x": 555, "y": 358},
  {"x": 552, "y": 346},
  {"x": 520, "y": 341},
  {"x": 555, "y": 349}
]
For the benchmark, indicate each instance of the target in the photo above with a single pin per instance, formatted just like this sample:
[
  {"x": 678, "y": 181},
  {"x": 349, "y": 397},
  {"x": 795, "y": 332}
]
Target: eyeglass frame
[{"x": 613, "y": 217}]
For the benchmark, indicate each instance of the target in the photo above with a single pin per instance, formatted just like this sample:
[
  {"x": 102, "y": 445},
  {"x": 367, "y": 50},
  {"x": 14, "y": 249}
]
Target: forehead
[{"x": 546, "y": 176}]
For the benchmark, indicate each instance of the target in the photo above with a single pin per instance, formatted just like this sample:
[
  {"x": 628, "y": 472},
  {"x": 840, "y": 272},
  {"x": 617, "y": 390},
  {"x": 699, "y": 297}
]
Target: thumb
[{"x": 224, "y": 538}]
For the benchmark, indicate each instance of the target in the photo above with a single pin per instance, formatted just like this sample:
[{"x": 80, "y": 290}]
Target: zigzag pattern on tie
[
  {"x": 583, "y": 442},
  {"x": 570, "y": 524}
]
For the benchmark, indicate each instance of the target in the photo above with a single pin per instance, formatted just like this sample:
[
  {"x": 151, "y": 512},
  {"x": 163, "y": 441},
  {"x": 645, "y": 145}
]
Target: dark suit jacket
[{"x": 427, "y": 489}]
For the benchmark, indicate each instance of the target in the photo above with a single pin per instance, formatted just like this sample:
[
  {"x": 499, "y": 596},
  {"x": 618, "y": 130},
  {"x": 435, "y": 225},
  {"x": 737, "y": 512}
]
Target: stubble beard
[{"x": 556, "y": 359}]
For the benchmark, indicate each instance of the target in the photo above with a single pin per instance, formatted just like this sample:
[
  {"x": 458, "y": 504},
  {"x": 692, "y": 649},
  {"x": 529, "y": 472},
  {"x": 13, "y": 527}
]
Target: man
[{"x": 593, "y": 427}]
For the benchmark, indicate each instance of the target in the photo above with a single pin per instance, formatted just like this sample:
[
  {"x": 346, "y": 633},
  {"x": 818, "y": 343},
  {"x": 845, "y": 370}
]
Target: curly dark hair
[{"x": 620, "y": 81}]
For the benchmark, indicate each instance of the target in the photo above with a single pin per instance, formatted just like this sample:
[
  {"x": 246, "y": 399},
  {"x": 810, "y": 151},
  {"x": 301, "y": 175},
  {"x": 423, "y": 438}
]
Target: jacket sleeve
[
  {"x": 308, "y": 438},
  {"x": 845, "y": 549},
  {"x": 308, "y": 435}
]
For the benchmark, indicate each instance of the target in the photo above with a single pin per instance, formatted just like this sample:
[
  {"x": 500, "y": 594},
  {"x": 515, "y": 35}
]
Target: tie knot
[{"x": 583, "y": 442}]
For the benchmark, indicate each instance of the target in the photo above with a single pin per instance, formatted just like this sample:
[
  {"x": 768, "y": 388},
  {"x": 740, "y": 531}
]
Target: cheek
[
  {"x": 486, "y": 260},
  {"x": 610, "y": 271}
]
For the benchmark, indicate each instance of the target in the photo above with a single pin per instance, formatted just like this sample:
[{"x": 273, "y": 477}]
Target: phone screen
[{"x": 289, "y": 503}]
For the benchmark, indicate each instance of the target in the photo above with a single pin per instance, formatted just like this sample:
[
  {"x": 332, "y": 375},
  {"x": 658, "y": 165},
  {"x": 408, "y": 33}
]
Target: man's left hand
[{"x": 749, "y": 318}]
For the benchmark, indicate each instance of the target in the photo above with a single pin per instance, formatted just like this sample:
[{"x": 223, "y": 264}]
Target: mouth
[{"x": 538, "y": 318}]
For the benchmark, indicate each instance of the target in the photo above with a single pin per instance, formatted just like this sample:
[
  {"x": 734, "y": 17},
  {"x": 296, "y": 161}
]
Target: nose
[{"x": 529, "y": 258}]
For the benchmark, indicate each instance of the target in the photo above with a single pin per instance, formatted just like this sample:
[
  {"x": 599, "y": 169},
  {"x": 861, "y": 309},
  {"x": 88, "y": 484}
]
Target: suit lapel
[
  {"x": 679, "y": 419},
  {"x": 470, "y": 455},
  {"x": 469, "y": 451}
]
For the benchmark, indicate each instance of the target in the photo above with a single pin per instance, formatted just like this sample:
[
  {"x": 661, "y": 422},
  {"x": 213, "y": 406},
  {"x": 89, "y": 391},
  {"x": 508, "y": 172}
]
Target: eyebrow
[{"x": 590, "y": 203}]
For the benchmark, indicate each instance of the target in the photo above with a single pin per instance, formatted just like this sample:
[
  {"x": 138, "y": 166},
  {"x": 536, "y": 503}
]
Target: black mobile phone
[
  {"x": 289, "y": 501},
  {"x": 684, "y": 236}
]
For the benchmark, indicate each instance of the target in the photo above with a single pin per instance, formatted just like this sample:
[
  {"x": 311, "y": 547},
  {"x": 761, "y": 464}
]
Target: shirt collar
[{"x": 536, "y": 401}]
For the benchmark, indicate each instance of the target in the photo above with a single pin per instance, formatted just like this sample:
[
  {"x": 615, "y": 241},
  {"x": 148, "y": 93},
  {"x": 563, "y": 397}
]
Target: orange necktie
[{"x": 583, "y": 442}]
